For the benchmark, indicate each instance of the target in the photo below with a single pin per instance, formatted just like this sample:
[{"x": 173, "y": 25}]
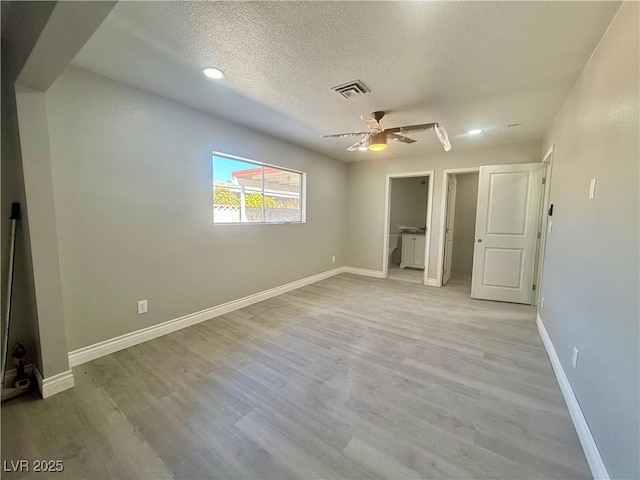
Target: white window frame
[{"x": 303, "y": 191}]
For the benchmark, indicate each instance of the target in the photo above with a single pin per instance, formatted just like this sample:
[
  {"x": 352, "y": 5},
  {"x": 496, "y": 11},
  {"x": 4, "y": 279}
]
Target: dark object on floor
[{"x": 22, "y": 381}]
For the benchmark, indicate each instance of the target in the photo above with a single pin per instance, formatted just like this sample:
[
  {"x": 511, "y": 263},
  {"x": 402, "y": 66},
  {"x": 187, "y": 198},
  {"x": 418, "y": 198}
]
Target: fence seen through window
[{"x": 245, "y": 191}]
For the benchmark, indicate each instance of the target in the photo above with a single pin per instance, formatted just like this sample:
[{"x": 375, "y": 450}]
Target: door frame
[
  {"x": 547, "y": 162},
  {"x": 452, "y": 193},
  {"x": 387, "y": 210},
  {"x": 443, "y": 215}
]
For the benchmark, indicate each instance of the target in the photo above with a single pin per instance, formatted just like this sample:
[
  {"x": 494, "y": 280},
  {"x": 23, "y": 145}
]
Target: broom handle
[{"x": 15, "y": 215}]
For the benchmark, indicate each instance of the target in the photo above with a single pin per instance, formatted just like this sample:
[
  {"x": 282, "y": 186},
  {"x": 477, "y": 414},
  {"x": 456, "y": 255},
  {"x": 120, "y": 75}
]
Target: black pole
[{"x": 15, "y": 216}]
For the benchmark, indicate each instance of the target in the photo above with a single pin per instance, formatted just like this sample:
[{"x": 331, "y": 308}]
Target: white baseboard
[
  {"x": 364, "y": 272},
  {"x": 598, "y": 469},
  {"x": 47, "y": 386},
  {"x": 55, "y": 384},
  {"x": 97, "y": 350},
  {"x": 433, "y": 282}
]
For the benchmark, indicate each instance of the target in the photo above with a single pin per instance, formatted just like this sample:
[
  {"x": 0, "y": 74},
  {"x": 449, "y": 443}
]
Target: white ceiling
[{"x": 463, "y": 64}]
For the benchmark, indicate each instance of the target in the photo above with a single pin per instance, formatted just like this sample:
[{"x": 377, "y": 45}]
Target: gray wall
[
  {"x": 366, "y": 196},
  {"x": 408, "y": 205},
  {"x": 132, "y": 185},
  {"x": 22, "y": 23},
  {"x": 23, "y": 317},
  {"x": 590, "y": 277},
  {"x": 38, "y": 40},
  {"x": 36, "y": 168},
  {"x": 464, "y": 228}
]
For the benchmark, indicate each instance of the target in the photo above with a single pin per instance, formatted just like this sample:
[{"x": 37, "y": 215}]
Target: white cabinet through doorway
[{"x": 412, "y": 251}]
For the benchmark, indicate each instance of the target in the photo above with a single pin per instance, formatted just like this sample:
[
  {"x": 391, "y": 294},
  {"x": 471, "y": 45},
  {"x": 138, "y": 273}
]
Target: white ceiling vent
[{"x": 351, "y": 89}]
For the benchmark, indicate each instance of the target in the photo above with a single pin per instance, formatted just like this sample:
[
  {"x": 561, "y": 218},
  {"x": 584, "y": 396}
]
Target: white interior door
[
  {"x": 506, "y": 232},
  {"x": 452, "y": 183}
]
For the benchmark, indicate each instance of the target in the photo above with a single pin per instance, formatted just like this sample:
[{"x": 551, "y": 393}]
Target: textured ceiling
[{"x": 463, "y": 64}]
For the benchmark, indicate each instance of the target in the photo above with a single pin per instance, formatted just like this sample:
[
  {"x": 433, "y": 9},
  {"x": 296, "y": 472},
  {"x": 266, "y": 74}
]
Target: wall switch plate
[
  {"x": 574, "y": 358},
  {"x": 333, "y": 259},
  {"x": 541, "y": 303},
  {"x": 592, "y": 189},
  {"x": 550, "y": 226},
  {"x": 142, "y": 307}
]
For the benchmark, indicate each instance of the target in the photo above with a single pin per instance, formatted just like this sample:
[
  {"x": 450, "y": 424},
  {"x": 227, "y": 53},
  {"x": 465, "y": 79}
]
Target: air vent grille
[{"x": 351, "y": 89}]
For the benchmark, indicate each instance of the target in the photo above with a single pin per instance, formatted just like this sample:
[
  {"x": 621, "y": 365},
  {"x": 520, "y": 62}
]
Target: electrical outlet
[
  {"x": 333, "y": 259},
  {"x": 142, "y": 307},
  {"x": 574, "y": 358},
  {"x": 592, "y": 189},
  {"x": 541, "y": 303}
]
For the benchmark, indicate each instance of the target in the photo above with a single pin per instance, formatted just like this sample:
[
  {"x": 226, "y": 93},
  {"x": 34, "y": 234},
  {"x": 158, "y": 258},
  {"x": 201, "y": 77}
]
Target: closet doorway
[
  {"x": 406, "y": 241},
  {"x": 504, "y": 210},
  {"x": 460, "y": 189}
]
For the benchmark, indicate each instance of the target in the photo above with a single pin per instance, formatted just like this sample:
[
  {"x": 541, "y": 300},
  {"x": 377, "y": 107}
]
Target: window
[{"x": 245, "y": 191}]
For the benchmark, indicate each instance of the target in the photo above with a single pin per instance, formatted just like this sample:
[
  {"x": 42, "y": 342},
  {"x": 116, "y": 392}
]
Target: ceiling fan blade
[
  {"x": 443, "y": 137},
  {"x": 372, "y": 123},
  {"x": 400, "y": 138},
  {"x": 344, "y": 135},
  {"x": 411, "y": 128},
  {"x": 360, "y": 143}
]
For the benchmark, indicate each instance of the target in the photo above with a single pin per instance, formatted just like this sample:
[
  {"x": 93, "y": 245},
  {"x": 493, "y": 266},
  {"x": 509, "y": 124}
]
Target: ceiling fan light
[{"x": 378, "y": 142}]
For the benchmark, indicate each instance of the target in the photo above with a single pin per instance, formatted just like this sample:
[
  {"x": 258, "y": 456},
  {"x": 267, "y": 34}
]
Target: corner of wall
[{"x": 41, "y": 229}]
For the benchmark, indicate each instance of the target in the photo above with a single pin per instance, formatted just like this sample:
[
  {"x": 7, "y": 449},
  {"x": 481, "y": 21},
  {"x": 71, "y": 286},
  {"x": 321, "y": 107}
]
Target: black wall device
[{"x": 551, "y": 210}]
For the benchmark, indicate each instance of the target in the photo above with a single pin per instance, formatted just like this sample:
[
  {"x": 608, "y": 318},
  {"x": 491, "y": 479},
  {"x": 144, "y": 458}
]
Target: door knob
[{"x": 479, "y": 240}]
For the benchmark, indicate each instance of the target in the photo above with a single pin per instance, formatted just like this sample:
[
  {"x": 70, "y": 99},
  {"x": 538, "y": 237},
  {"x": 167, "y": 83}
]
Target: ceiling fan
[{"x": 376, "y": 138}]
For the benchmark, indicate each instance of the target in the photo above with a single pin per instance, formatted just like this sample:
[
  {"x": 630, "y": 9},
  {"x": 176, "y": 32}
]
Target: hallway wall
[{"x": 590, "y": 274}]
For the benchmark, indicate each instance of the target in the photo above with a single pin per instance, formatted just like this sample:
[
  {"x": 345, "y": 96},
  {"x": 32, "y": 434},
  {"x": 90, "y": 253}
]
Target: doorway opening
[
  {"x": 459, "y": 227},
  {"x": 407, "y": 226}
]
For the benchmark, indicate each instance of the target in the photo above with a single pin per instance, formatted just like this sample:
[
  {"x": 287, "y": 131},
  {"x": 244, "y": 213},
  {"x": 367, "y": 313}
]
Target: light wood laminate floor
[
  {"x": 412, "y": 275},
  {"x": 351, "y": 377}
]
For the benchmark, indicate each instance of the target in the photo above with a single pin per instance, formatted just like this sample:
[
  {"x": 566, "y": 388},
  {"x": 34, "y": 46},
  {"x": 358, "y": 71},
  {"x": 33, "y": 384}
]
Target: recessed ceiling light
[
  {"x": 213, "y": 72},
  {"x": 475, "y": 131},
  {"x": 363, "y": 148}
]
